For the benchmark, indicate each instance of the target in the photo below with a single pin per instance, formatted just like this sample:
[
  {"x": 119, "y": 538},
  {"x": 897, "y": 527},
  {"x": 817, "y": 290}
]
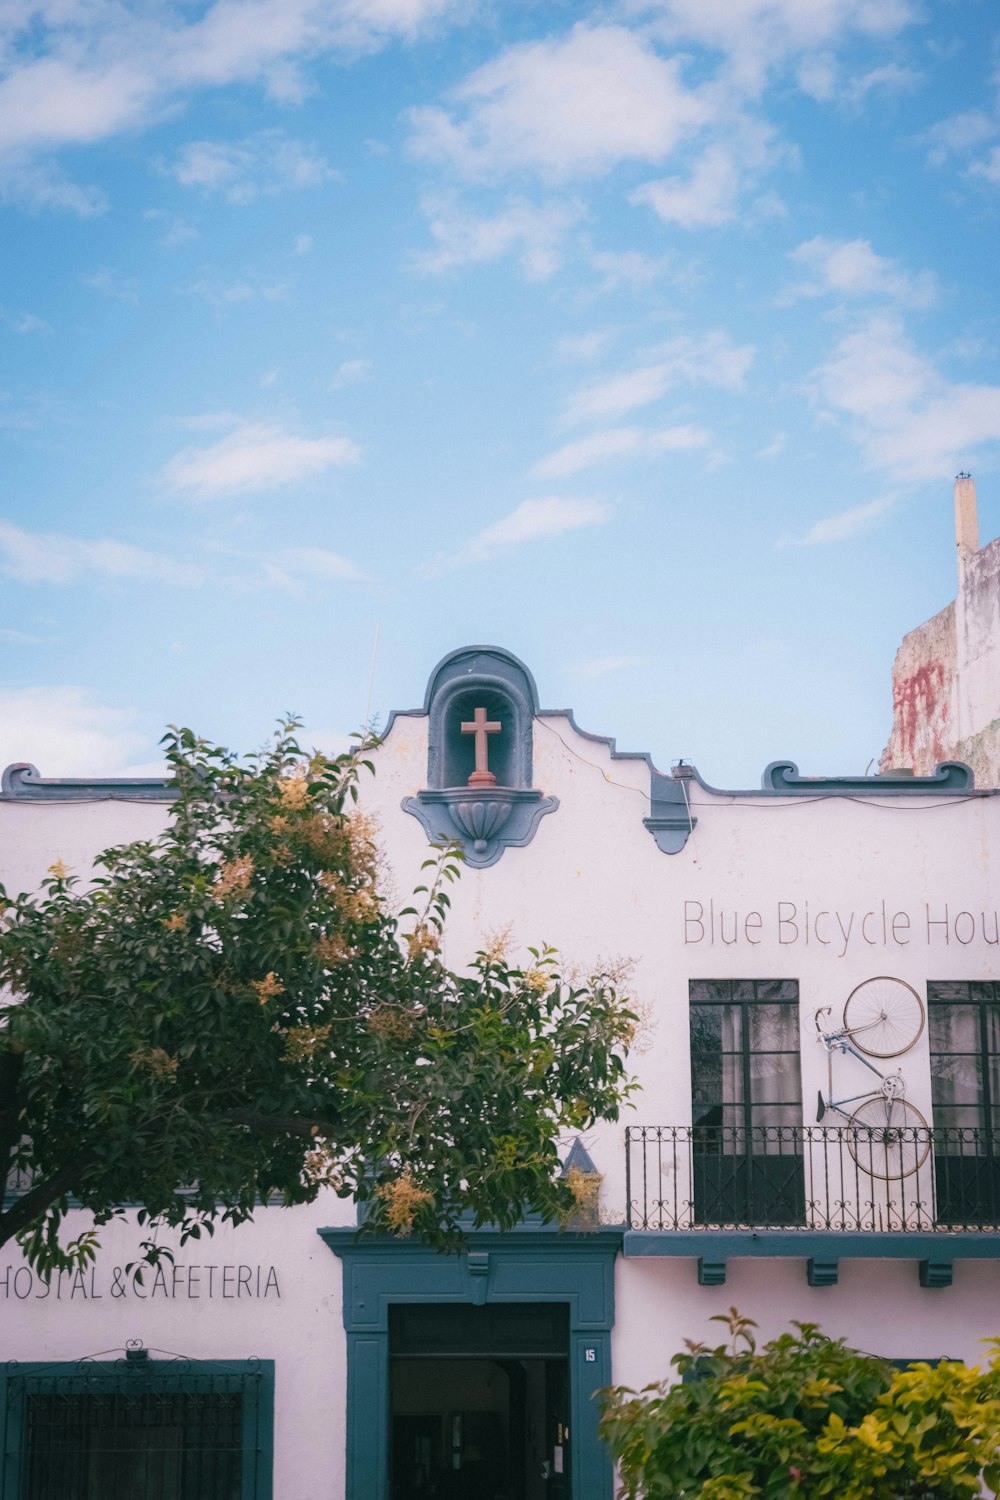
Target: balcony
[{"x": 816, "y": 1192}]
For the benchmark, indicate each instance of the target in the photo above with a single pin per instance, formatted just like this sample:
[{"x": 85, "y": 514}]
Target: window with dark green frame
[
  {"x": 138, "y": 1429},
  {"x": 964, "y": 1028},
  {"x": 746, "y": 1101}
]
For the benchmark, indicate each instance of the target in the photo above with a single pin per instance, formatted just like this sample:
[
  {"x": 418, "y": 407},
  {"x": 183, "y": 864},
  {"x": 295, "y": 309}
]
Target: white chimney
[{"x": 966, "y": 521}]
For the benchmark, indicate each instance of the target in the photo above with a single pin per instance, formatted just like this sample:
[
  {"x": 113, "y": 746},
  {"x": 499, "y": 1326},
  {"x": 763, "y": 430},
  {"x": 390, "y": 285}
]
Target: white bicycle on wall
[{"x": 887, "y": 1136}]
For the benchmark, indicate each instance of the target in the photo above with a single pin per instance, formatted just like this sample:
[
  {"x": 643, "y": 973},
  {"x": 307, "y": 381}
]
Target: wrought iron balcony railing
[{"x": 813, "y": 1177}]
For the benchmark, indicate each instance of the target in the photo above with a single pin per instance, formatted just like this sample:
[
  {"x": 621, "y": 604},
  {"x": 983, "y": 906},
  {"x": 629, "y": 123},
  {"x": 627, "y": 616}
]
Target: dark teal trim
[
  {"x": 950, "y": 776},
  {"x": 485, "y": 821},
  {"x": 820, "y": 1249},
  {"x": 22, "y": 783},
  {"x": 166, "y": 1374},
  {"x": 527, "y": 1265},
  {"x": 579, "y": 1157}
]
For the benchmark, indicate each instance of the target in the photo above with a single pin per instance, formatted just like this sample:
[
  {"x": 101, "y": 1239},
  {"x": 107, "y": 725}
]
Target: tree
[
  {"x": 232, "y": 1013},
  {"x": 806, "y": 1417}
]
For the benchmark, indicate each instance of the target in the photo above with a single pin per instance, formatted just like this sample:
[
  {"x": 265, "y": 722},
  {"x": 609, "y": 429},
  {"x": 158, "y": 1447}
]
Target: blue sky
[{"x": 644, "y": 339}]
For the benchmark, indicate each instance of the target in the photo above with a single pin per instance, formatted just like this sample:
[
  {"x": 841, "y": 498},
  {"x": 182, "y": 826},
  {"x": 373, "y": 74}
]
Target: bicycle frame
[{"x": 893, "y": 1086}]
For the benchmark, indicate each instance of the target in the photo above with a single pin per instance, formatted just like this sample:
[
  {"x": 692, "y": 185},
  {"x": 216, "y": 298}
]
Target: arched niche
[
  {"x": 480, "y": 677},
  {"x": 491, "y": 684}
]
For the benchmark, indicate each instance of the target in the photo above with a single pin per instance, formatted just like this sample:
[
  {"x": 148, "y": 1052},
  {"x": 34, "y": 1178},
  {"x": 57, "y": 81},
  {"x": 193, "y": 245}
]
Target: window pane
[
  {"x": 777, "y": 989},
  {"x": 780, "y": 1122},
  {"x": 773, "y": 1028},
  {"x": 956, "y": 1080},
  {"x": 706, "y": 1028},
  {"x": 716, "y": 1028},
  {"x": 993, "y": 1028},
  {"x": 709, "y": 991},
  {"x": 947, "y": 991},
  {"x": 967, "y": 1117},
  {"x": 706, "y": 1077},
  {"x": 774, "y": 1078},
  {"x": 954, "y": 1028}
]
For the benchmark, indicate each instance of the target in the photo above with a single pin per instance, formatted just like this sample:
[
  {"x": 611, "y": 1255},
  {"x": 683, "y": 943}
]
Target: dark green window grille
[
  {"x": 138, "y": 1429},
  {"x": 746, "y": 1101},
  {"x": 964, "y": 1027}
]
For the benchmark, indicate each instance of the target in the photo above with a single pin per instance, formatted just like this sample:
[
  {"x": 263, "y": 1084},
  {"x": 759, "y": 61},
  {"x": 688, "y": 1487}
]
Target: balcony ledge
[{"x": 934, "y": 1251}]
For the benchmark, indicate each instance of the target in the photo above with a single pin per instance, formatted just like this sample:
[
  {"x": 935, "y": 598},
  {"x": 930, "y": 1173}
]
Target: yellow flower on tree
[
  {"x": 234, "y": 877},
  {"x": 294, "y": 790},
  {"x": 267, "y": 988},
  {"x": 403, "y": 1198}
]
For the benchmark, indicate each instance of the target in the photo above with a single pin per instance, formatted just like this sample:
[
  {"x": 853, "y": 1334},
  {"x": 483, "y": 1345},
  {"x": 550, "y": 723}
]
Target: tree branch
[
  {"x": 280, "y": 1124},
  {"x": 11, "y": 1068},
  {"x": 24, "y": 1211}
]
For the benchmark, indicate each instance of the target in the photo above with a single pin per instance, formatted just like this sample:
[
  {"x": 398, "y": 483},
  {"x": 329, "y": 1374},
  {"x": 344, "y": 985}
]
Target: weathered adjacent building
[{"x": 946, "y": 677}]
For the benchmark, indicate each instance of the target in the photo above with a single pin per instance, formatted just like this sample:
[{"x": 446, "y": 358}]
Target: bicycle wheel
[
  {"x": 884, "y": 1016},
  {"x": 888, "y": 1138}
]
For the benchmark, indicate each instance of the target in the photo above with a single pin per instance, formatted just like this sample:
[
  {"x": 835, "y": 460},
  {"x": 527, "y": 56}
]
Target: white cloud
[
  {"x": 618, "y": 442},
  {"x": 620, "y": 394},
  {"x": 64, "y": 731},
  {"x": 909, "y": 420},
  {"x": 988, "y": 168},
  {"x": 851, "y": 268},
  {"x": 49, "y": 557},
  {"x": 88, "y": 72},
  {"x": 712, "y": 360},
  {"x": 820, "y": 76},
  {"x": 957, "y": 135},
  {"x": 708, "y": 197},
  {"x": 109, "y": 284},
  {"x": 50, "y": 101},
  {"x": 582, "y": 348},
  {"x": 890, "y": 76},
  {"x": 533, "y": 520},
  {"x": 179, "y": 233},
  {"x": 775, "y": 448},
  {"x": 24, "y": 322},
  {"x": 350, "y": 372},
  {"x": 710, "y": 194},
  {"x": 303, "y": 244},
  {"x": 757, "y": 35},
  {"x": 602, "y": 666},
  {"x": 628, "y": 268},
  {"x": 567, "y": 107},
  {"x": 255, "y": 457},
  {"x": 250, "y": 288},
  {"x": 241, "y": 171},
  {"x": 846, "y": 523},
  {"x": 295, "y": 565},
  {"x": 533, "y": 232}
]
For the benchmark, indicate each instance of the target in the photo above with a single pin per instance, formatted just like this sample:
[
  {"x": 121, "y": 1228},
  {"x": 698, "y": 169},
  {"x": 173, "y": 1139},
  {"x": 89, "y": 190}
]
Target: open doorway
[{"x": 479, "y": 1402}]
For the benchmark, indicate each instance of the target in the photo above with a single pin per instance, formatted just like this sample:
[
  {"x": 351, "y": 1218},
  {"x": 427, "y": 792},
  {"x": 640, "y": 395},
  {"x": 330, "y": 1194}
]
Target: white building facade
[{"x": 852, "y": 1182}]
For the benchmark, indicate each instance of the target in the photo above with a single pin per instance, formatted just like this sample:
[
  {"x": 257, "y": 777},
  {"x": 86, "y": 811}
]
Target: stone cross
[{"x": 481, "y": 727}]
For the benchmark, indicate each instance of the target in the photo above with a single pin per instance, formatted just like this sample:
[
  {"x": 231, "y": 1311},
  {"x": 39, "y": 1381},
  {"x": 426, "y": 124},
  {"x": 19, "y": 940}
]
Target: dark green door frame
[{"x": 526, "y": 1265}]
